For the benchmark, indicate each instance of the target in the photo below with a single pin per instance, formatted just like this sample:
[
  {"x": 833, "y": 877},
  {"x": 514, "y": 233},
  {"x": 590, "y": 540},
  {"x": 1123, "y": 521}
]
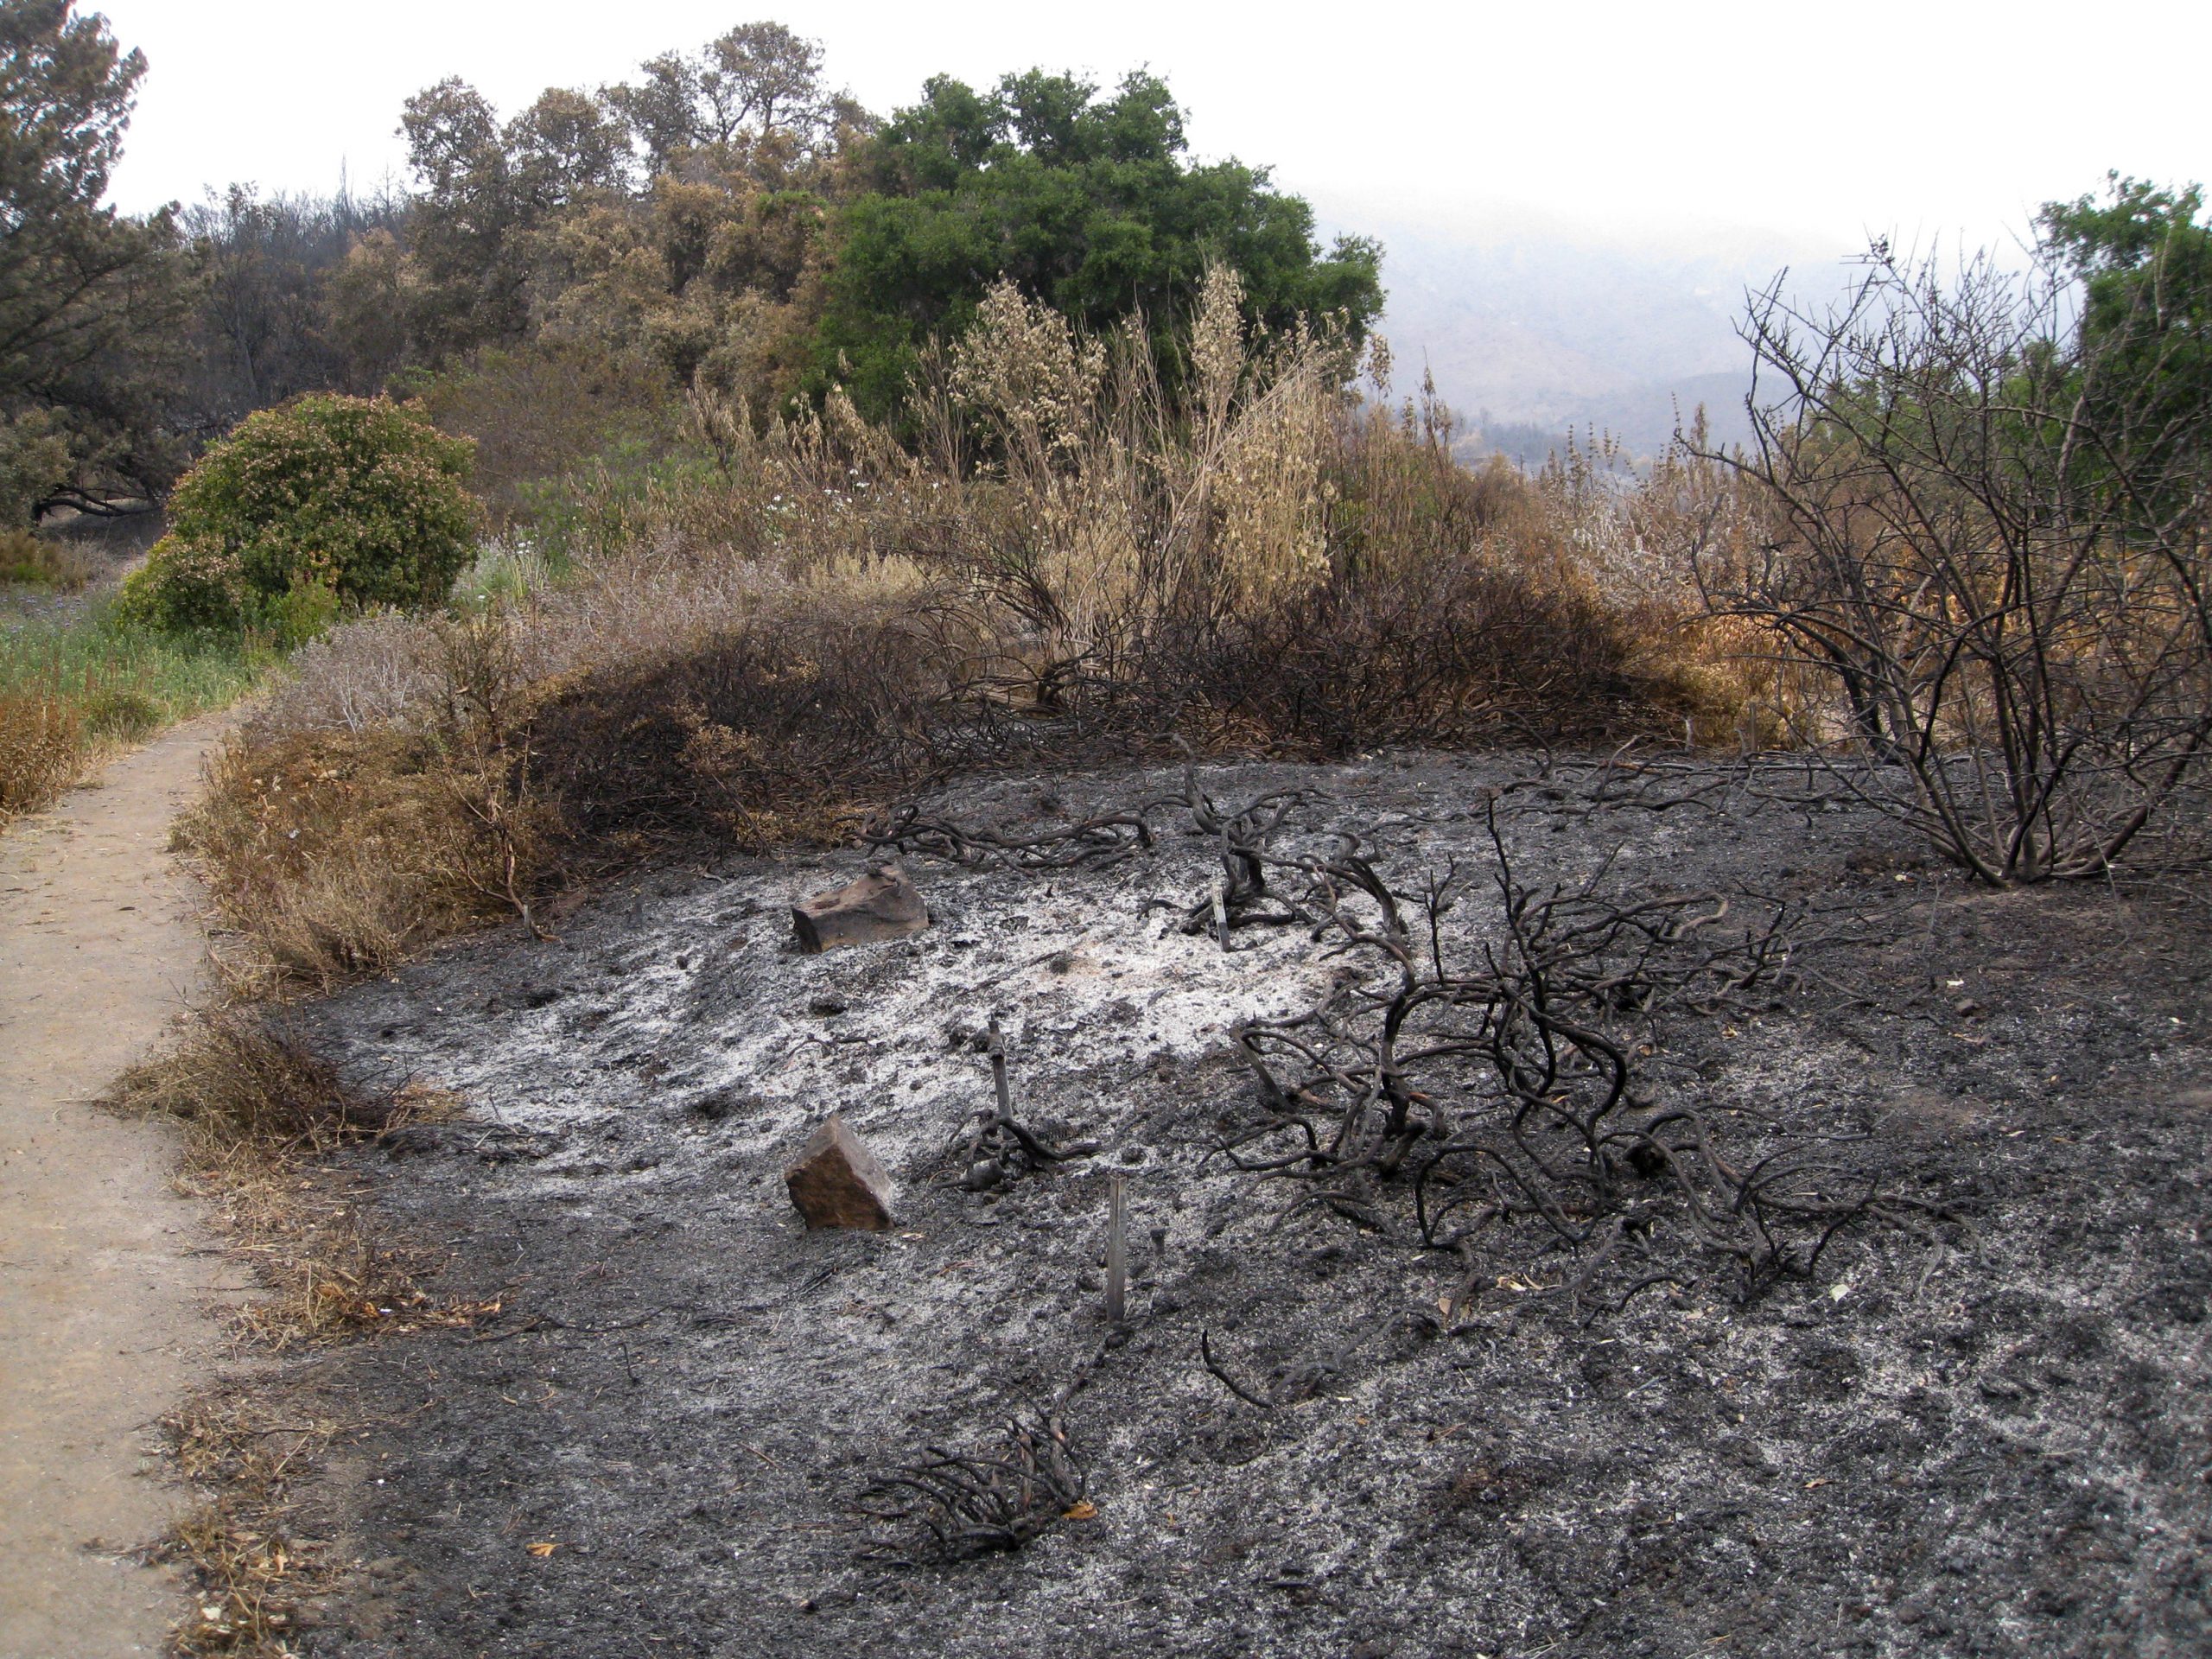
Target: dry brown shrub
[
  {"x": 240, "y": 1076},
  {"x": 784, "y": 731},
  {"x": 42, "y": 745},
  {"x": 335, "y": 855}
]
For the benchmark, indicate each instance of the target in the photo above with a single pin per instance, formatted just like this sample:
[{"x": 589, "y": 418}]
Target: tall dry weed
[{"x": 42, "y": 745}]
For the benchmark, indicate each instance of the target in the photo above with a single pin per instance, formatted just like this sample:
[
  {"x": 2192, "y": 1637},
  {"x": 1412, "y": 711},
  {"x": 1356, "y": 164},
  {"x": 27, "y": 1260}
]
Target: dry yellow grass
[{"x": 43, "y": 746}]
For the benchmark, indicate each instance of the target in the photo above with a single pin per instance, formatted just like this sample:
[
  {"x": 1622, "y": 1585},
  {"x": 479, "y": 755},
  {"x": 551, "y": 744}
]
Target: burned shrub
[
  {"x": 951, "y": 1505},
  {"x": 764, "y": 734}
]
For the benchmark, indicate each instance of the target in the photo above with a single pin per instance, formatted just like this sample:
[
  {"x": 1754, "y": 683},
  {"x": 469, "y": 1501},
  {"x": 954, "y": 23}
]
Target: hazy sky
[{"x": 1930, "y": 118}]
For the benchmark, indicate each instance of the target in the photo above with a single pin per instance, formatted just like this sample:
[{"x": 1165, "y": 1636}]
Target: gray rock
[{"x": 882, "y": 904}]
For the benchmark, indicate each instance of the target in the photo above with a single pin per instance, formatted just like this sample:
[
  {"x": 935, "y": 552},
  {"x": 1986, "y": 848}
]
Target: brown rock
[
  {"x": 837, "y": 1183},
  {"x": 882, "y": 904}
]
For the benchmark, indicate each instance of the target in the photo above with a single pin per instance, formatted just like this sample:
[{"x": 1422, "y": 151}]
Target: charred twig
[
  {"x": 999, "y": 1497},
  {"x": 1205, "y": 1354},
  {"x": 1240, "y": 899},
  {"x": 999, "y": 1144},
  {"x": 1117, "y": 1251},
  {"x": 1097, "y": 842}
]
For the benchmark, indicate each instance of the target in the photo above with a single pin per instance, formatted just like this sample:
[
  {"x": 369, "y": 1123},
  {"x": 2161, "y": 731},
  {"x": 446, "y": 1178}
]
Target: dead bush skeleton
[
  {"x": 1986, "y": 524},
  {"x": 1500, "y": 1069},
  {"x": 1500, "y": 1073},
  {"x": 1000, "y": 1496}
]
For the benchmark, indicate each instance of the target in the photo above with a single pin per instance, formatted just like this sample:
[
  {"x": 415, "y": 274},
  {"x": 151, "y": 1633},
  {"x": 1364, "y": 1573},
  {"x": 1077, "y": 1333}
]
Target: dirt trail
[{"x": 104, "y": 1272}]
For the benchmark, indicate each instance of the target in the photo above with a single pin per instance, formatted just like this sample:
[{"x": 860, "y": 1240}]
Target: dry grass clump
[
  {"x": 43, "y": 742},
  {"x": 240, "y": 1076},
  {"x": 57, "y": 561},
  {"x": 243, "y": 1452}
]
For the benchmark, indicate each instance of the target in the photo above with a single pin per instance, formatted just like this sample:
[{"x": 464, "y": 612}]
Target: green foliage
[
  {"x": 328, "y": 501},
  {"x": 89, "y": 300},
  {"x": 1084, "y": 202},
  {"x": 2142, "y": 357},
  {"x": 33, "y": 457},
  {"x": 122, "y": 712}
]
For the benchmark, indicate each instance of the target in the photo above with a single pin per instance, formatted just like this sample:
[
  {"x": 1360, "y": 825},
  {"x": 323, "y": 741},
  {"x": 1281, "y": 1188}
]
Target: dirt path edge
[{"x": 107, "y": 1275}]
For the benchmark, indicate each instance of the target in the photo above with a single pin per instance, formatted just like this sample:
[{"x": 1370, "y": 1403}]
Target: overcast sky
[{"x": 1934, "y": 119}]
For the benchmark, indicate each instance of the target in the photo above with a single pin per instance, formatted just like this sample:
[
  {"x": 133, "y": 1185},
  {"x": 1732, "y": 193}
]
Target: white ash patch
[{"x": 704, "y": 1015}]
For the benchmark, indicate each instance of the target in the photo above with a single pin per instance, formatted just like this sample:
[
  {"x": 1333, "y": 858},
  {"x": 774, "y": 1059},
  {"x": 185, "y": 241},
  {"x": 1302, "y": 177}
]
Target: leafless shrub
[
  {"x": 1988, "y": 532},
  {"x": 1496, "y": 1070},
  {"x": 954, "y": 1505},
  {"x": 365, "y": 676}
]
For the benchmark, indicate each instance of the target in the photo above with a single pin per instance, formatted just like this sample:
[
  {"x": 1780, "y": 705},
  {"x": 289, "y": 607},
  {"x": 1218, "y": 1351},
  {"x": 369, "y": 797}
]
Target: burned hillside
[{"x": 1821, "y": 1266}]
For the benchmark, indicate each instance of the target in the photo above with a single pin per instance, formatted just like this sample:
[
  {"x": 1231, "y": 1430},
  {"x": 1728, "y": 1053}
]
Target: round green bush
[{"x": 358, "y": 500}]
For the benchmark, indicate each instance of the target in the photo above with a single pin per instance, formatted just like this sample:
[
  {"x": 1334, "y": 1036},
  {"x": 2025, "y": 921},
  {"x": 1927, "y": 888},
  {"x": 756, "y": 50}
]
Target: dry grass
[
  {"x": 243, "y": 1451},
  {"x": 35, "y": 561},
  {"x": 337, "y": 854},
  {"x": 258, "y": 1107},
  {"x": 42, "y": 747}
]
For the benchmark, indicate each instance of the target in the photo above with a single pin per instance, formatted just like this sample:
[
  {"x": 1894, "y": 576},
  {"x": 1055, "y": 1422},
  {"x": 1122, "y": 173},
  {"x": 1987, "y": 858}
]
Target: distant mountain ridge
[{"x": 1531, "y": 328}]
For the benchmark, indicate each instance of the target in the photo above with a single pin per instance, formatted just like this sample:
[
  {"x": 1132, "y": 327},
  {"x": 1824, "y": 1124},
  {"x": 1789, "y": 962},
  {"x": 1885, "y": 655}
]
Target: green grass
[
  {"x": 91, "y": 682},
  {"x": 96, "y": 661}
]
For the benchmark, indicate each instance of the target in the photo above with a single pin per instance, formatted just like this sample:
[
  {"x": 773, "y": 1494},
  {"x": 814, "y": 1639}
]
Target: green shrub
[{"x": 324, "y": 503}]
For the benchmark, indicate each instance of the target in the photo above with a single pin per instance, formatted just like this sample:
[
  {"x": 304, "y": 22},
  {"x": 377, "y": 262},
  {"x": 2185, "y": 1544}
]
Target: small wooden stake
[
  {"x": 1117, "y": 1251},
  {"x": 998, "y": 1071}
]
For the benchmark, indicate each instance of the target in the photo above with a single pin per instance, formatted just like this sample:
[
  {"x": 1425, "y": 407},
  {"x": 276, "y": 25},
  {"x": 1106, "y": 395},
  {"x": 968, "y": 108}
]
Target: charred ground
[{"x": 1972, "y": 1424}]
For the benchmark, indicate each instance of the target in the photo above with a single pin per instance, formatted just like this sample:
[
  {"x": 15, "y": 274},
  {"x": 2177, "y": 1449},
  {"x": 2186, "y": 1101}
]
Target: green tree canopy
[
  {"x": 82, "y": 289},
  {"x": 2141, "y": 356},
  {"x": 1089, "y": 203}
]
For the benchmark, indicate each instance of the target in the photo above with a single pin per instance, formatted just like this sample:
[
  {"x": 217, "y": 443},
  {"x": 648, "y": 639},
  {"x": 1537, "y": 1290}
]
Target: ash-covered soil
[{"x": 1979, "y": 1426}]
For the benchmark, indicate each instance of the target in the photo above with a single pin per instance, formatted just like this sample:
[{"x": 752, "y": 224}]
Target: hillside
[{"x": 1532, "y": 326}]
